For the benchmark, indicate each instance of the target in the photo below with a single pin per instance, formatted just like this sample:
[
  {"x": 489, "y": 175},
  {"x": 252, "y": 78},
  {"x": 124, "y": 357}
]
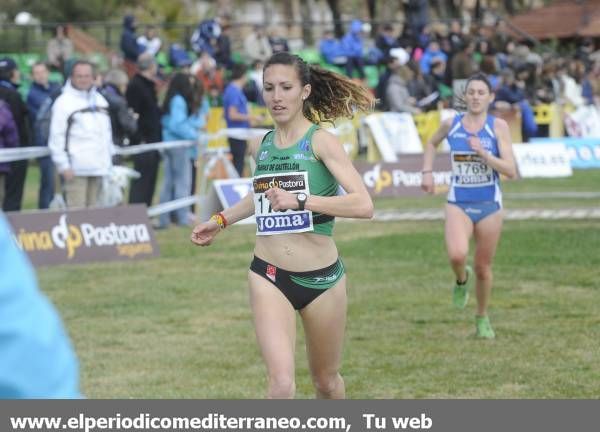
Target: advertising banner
[
  {"x": 542, "y": 160},
  {"x": 584, "y": 153},
  {"x": 403, "y": 178},
  {"x": 394, "y": 134},
  {"x": 77, "y": 236}
]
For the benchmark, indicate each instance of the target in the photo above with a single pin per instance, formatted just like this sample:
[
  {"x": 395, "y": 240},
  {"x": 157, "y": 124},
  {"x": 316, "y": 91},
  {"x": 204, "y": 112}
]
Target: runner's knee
[
  {"x": 281, "y": 386},
  {"x": 483, "y": 271},
  {"x": 326, "y": 383}
]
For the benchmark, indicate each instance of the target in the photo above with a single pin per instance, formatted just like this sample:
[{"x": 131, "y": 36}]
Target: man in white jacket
[{"x": 81, "y": 137}]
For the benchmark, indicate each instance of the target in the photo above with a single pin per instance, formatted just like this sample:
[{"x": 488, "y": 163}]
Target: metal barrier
[{"x": 212, "y": 156}]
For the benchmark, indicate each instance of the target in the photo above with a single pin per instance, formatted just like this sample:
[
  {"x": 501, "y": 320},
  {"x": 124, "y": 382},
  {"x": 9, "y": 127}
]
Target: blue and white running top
[{"x": 472, "y": 179}]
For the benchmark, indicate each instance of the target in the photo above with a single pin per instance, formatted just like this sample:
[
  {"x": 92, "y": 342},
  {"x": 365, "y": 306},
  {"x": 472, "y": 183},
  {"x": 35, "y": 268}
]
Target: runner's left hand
[{"x": 281, "y": 200}]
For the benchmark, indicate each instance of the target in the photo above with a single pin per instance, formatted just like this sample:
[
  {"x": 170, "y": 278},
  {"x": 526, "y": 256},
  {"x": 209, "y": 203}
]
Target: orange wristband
[
  {"x": 225, "y": 223},
  {"x": 220, "y": 220}
]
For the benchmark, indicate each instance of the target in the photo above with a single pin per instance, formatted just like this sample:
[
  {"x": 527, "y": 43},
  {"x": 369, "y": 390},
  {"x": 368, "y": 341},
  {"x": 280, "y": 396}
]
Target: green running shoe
[
  {"x": 460, "y": 293},
  {"x": 484, "y": 328}
]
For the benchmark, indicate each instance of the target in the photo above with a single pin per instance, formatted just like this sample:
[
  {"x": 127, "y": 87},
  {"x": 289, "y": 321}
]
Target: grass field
[{"x": 179, "y": 326}]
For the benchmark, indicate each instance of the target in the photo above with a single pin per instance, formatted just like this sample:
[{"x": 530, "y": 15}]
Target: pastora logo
[
  {"x": 378, "y": 178},
  {"x": 66, "y": 236},
  {"x": 72, "y": 237},
  {"x": 288, "y": 183}
]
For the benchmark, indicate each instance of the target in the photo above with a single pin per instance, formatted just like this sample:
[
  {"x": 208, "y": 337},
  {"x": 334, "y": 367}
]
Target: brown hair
[{"x": 332, "y": 95}]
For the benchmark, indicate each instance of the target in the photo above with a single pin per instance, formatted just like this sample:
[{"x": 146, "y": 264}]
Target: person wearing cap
[
  {"x": 142, "y": 98},
  {"x": 15, "y": 181},
  {"x": 397, "y": 95},
  {"x": 396, "y": 57},
  {"x": 81, "y": 140}
]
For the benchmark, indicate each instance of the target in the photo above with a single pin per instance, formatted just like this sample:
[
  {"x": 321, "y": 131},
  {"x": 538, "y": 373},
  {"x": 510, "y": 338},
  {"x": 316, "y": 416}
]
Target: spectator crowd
[{"x": 419, "y": 67}]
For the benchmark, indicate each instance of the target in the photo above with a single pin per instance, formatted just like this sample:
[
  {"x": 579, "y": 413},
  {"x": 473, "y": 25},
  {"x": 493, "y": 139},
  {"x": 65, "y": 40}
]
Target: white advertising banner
[
  {"x": 542, "y": 160},
  {"x": 394, "y": 134}
]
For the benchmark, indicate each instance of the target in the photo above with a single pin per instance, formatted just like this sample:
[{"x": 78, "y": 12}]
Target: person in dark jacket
[
  {"x": 142, "y": 99},
  {"x": 123, "y": 120},
  {"x": 15, "y": 181},
  {"x": 417, "y": 16},
  {"x": 511, "y": 94},
  {"x": 9, "y": 137},
  {"x": 223, "y": 49},
  {"x": 385, "y": 41},
  {"x": 129, "y": 46},
  {"x": 41, "y": 89},
  {"x": 462, "y": 63}
]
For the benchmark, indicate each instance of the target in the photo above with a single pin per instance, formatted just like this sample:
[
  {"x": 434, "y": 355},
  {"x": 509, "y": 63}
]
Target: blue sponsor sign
[
  {"x": 231, "y": 191},
  {"x": 583, "y": 152}
]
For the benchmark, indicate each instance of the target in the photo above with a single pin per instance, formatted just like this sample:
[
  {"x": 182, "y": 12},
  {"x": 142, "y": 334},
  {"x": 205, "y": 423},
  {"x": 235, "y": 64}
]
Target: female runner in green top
[{"x": 296, "y": 264}]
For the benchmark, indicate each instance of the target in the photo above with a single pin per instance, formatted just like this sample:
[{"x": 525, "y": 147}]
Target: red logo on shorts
[{"x": 271, "y": 270}]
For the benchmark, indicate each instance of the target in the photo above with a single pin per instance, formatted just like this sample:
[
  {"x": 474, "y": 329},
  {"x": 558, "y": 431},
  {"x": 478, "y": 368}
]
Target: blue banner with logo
[{"x": 583, "y": 152}]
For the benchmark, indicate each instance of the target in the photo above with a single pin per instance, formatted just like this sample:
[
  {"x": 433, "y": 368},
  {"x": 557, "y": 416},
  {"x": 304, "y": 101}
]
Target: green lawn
[{"x": 179, "y": 326}]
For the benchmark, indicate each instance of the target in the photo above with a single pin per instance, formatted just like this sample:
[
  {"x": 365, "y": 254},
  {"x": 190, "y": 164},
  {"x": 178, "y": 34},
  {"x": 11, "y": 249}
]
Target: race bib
[
  {"x": 469, "y": 170},
  {"x": 269, "y": 221}
]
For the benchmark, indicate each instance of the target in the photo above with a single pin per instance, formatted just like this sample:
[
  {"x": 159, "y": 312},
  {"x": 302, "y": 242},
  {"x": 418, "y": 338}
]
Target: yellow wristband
[{"x": 219, "y": 219}]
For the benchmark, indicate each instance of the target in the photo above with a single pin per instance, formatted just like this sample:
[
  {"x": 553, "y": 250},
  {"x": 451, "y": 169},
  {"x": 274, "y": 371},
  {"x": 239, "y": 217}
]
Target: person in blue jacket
[
  {"x": 181, "y": 120},
  {"x": 332, "y": 50},
  {"x": 352, "y": 44},
  {"x": 37, "y": 360}
]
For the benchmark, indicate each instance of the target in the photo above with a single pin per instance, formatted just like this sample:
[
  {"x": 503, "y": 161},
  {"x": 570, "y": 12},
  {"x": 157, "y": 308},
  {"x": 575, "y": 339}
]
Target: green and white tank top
[{"x": 295, "y": 169}]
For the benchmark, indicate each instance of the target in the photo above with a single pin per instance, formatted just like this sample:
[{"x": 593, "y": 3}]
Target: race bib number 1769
[{"x": 469, "y": 170}]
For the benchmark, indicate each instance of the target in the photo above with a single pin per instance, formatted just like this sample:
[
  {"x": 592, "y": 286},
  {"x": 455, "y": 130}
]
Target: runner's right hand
[{"x": 203, "y": 234}]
